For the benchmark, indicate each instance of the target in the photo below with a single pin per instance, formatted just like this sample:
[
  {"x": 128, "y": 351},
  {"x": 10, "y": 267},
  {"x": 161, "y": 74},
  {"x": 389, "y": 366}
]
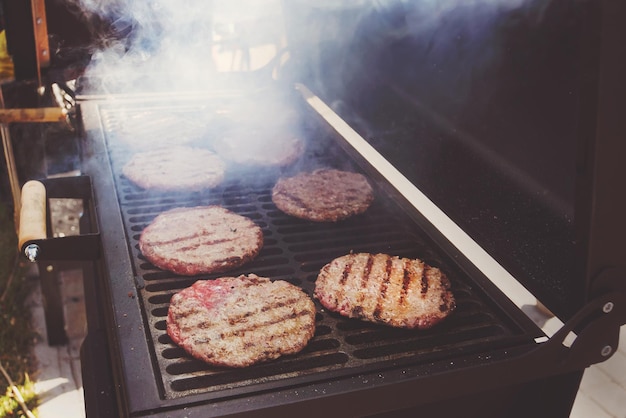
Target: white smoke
[{"x": 181, "y": 44}]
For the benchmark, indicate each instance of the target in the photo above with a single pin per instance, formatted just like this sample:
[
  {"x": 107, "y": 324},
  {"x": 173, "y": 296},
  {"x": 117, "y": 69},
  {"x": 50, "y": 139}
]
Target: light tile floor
[
  {"x": 58, "y": 381},
  {"x": 602, "y": 391}
]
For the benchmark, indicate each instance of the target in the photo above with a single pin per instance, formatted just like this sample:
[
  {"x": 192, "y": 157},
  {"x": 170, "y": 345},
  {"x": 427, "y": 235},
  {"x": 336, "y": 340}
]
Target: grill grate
[{"x": 294, "y": 250}]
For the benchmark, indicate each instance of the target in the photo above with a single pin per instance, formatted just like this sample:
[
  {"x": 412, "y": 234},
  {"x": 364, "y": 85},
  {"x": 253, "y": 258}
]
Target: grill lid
[{"x": 490, "y": 110}]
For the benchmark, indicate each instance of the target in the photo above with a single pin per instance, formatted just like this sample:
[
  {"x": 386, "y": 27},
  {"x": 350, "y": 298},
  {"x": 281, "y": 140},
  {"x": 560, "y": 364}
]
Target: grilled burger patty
[
  {"x": 379, "y": 288},
  {"x": 325, "y": 195},
  {"x": 175, "y": 169},
  {"x": 239, "y": 321},
  {"x": 250, "y": 150},
  {"x": 202, "y": 239}
]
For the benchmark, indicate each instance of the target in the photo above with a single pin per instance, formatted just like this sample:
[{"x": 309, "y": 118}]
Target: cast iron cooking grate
[{"x": 294, "y": 250}]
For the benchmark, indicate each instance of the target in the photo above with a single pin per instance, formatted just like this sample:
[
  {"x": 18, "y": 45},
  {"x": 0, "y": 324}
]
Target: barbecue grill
[{"x": 488, "y": 359}]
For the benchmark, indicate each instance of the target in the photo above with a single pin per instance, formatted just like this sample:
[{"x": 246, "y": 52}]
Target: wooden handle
[
  {"x": 40, "y": 114},
  {"x": 32, "y": 213}
]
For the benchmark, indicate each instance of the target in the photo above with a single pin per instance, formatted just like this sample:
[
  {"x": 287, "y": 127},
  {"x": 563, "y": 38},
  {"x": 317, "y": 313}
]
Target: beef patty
[
  {"x": 260, "y": 150},
  {"x": 324, "y": 195},
  {"x": 175, "y": 169},
  {"x": 202, "y": 239},
  {"x": 400, "y": 292},
  {"x": 240, "y": 321}
]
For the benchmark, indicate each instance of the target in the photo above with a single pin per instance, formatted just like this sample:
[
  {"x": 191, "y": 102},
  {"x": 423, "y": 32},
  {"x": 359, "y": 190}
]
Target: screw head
[
  {"x": 608, "y": 307},
  {"x": 606, "y": 351},
  {"x": 31, "y": 252}
]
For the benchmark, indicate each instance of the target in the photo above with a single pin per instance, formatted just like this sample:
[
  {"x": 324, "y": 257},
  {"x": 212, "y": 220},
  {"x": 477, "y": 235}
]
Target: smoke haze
[{"x": 181, "y": 44}]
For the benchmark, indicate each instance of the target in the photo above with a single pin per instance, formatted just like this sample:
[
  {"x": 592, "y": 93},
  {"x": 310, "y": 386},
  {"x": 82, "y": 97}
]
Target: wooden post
[
  {"x": 34, "y": 115},
  {"x": 40, "y": 30}
]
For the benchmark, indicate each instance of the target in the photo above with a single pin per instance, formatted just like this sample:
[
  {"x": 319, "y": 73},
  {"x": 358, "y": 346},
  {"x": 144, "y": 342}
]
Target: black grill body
[
  {"x": 151, "y": 375},
  {"x": 488, "y": 359}
]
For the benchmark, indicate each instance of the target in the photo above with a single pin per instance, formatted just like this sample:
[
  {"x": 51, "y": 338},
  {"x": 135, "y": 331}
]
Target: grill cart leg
[
  {"x": 95, "y": 360},
  {"x": 52, "y": 302}
]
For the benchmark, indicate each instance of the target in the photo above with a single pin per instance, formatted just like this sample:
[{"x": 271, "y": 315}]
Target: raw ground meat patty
[
  {"x": 325, "y": 195},
  {"x": 401, "y": 292},
  {"x": 202, "y": 239},
  {"x": 240, "y": 321},
  {"x": 175, "y": 169}
]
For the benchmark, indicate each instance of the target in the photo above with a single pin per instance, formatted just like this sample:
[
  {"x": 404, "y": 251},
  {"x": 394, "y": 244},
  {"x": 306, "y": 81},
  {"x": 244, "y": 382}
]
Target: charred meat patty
[
  {"x": 177, "y": 168},
  {"x": 324, "y": 195},
  {"x": 400, "y": 292},
  {"x": 240, "y": 321},
  {"x": 248, "y": 149},
  {"x": 201, "y": 239}
]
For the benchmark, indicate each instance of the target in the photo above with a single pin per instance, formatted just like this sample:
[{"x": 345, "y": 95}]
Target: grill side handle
[{"x": 32, "y": 221}]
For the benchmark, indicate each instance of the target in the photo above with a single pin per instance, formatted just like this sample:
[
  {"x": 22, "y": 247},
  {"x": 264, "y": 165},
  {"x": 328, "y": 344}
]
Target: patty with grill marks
[
  {"x": 248, "y": 149},
  {"x": 177, "y": 168},
  {"x": 400, "y": 292},
  {"x": 199, "y": 240},
  {"x": 324, "y": 195},
  {"x": 240, "y": 321}
]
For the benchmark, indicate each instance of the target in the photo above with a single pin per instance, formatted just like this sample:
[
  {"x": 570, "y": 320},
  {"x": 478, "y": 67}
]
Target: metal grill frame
[
  {"x": 125, "y": 326},
  {"x": 295, "y": 250}
]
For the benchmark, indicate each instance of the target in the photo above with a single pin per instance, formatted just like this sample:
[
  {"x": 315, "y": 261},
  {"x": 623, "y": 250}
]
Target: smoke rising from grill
[
  {"x": 449, "y": 50},
  {"x": 188, "y": 45},
  {"x": 182, "y": 44},
  {"x": 179, "y": 45}
]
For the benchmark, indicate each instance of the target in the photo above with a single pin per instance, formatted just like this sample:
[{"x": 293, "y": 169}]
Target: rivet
[
  {"x": 608, "y": 307},
  {"x": 31, "y": 252},
  {"x": 39, "y": 21},
  {"x": 44, "y": 52},
  {"x": 606, "y": 351}
]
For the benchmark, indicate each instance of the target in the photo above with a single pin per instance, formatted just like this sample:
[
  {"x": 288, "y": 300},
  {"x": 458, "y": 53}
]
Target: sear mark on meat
[
  {"x": 240, "y": 321},
  {"x": 400, "y": 292}
]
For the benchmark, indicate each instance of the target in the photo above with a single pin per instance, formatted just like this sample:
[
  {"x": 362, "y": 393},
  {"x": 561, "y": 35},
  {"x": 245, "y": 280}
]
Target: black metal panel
[{"x": 601, "y": 171}]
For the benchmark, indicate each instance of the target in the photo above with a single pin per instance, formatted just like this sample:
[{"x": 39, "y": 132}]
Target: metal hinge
[{"x": 595, "y": 327}]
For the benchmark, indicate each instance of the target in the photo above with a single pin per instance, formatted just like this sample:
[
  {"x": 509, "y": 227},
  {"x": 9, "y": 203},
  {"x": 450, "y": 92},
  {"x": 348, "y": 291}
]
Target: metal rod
[{"x": 9, "y": 157}]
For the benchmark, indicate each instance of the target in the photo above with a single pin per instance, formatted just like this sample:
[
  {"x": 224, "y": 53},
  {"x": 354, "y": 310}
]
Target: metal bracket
[
  {"x": 84, "y": 247},
  {"x": 596, "y": 326}
]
